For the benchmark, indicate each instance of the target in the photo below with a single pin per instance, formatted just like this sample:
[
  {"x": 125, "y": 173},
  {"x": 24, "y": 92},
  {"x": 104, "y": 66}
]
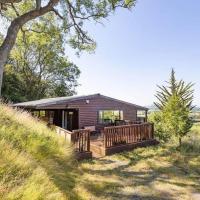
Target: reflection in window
[
  {"x": 39, "y": 113},
  {"x": 141, "y": 115},
  {"x": 109, "y": 116},
  {"x": 43, "y": 115}
]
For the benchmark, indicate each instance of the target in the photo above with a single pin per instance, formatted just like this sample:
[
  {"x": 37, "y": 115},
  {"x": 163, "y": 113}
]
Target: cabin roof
[{"x": 59, "y": 100}]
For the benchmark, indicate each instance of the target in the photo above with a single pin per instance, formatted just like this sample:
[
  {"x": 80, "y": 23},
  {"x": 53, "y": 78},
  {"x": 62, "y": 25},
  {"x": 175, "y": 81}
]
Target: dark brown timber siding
[{"x": 88, "y": 113}]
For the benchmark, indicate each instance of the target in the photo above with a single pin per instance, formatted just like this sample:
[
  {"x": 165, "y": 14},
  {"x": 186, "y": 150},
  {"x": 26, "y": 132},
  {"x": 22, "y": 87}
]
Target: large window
[
  {"x": 141, "y": 115},
  {"x": 39, "y": 113},
  {"x": 109, "y": 116},
  {"x": 42, "y": 115}
]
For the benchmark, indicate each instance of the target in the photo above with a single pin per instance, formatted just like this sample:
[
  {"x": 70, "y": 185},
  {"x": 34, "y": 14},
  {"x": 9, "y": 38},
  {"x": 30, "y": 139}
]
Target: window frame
[
  {"x": 100, "y": 119},
  {"x": 140, "y": 117}
]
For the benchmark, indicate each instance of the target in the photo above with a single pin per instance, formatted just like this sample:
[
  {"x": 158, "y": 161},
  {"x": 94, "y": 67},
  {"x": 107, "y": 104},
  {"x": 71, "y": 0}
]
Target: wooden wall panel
[{"x": 88, "y": 112}]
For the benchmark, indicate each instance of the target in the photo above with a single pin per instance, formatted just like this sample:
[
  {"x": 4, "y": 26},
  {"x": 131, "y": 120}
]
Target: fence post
[
  {"x": 104, "y": 138},
  {"x": 88, "y": 140},
  {"x": 72, "y": 137}
]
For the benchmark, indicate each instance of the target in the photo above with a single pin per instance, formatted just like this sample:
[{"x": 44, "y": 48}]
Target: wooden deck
[
  {"x": 112, "y": 140},
  {"x": 122, "y": 138},
  {"x": 98, "y": 150}
]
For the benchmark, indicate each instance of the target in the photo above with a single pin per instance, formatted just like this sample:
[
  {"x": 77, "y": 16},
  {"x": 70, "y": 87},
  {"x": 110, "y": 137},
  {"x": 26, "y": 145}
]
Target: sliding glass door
[{"x": 70, "y": 119}]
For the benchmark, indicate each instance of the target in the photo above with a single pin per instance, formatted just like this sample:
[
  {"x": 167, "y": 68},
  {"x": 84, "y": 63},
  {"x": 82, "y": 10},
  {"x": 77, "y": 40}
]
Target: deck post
[
  {"x": 104, "y": 138},
  {"x": 88, "y": 141},
  {"x": 146, "y": 115}
]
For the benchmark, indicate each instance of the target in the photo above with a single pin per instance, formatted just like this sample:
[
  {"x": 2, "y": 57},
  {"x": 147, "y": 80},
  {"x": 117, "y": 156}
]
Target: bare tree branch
[
  {"x": 84, "y": 38},
  {"x": 16, "y": 12},
  {"x": 33, "y": 30},
  {"x": 57, "y": 13},
  {"x": 4, "y": 3}
]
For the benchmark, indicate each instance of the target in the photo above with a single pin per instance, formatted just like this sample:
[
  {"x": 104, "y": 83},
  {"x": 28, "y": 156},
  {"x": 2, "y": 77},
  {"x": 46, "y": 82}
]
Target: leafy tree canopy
[
  {"x": 71, "y": 16},
  {"x": 37, "y": 66}
]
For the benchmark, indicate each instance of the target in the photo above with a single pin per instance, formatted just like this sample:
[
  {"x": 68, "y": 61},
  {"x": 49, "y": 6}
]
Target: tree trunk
[
  {"x": 13, "y": 30},
  {"x": 180, "y": 141},
  {"x": 6, "y": 47}
]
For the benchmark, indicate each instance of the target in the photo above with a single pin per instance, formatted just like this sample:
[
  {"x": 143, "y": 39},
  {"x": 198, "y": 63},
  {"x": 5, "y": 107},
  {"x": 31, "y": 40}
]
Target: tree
[
  {"x": 37, "y": 67},
  {"x": 160, "y": 130},
  {"x": 12, "y": 89},
  {"x": 71, "y": 14},
  {"x": 175, "y": 103},
  {"x": 176, "y": 117}
]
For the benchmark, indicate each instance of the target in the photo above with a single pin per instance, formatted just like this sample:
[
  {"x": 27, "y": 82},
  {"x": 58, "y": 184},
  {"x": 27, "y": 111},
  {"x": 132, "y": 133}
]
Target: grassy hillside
[{"x": 34, "y": 162}]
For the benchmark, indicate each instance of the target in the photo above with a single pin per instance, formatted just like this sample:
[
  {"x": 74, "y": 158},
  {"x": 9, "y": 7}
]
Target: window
[
  {"x": 109, "y": 116},
  {"x": 42, "y": 113},
  {"x": 51, "y": 116},
  {"x": 36, "y": 113},
  {"x": 39, "y": 113},
  {"x": 141, "y": 115}
]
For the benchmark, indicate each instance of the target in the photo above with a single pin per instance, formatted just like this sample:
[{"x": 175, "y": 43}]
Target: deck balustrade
[
  {"x": 80, "y": 140},
  {"x": 114, "y": 139},
  {"x": 127, "y": 134}
]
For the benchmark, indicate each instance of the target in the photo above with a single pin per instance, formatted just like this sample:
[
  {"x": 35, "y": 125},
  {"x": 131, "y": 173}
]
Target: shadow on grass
[
  {"x": 179, "y": 166},
  {"x": 63, "y": 173},
  {"x": 106, "y": 190}
]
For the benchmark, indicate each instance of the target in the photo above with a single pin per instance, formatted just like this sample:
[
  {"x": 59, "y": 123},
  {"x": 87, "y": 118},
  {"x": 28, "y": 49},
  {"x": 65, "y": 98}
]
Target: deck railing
[
  {"x": 64, "y": 133},
  {"x": 127, "y": 134},
  {"x": 79, "y": 138}
]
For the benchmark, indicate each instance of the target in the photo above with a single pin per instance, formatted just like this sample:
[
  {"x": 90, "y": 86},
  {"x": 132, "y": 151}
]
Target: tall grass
[
  {"x": 34, "y": 162},
  {"x": 191, "y": 142}
]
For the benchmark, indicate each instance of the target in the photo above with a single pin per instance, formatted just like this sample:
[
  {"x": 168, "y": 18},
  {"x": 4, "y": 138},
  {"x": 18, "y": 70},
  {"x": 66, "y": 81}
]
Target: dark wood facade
[{"x": 88, "y": 109}]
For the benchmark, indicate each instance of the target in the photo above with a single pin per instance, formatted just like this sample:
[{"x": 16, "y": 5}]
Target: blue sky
[{"x": 136, "y": 50}]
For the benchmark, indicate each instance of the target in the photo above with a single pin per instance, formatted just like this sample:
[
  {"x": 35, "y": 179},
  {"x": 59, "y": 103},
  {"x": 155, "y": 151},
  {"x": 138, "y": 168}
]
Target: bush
[{"x": 159, "y": 127}]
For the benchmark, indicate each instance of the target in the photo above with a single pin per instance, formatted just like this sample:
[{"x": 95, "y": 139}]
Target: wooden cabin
[
  {"x": 119, "y": 125},
  {"x": 79, "y": 112}
]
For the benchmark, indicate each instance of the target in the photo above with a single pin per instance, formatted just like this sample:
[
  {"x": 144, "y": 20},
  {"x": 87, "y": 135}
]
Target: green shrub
[{"x": 159, "y": 126}]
